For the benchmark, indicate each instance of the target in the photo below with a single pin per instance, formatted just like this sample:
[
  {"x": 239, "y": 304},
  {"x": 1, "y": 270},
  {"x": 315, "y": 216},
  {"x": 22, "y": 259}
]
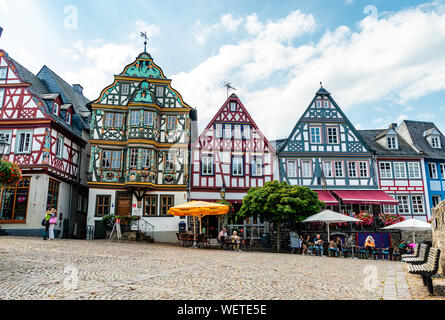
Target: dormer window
[
  {"x": 68, "y": 118},
  {"x": 392, "y": 143},
  {"x": 435, "y": 142},
  {"x": 56, "y": 109}
]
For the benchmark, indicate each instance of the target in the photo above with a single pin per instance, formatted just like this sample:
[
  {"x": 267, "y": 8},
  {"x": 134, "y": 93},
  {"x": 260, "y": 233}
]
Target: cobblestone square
[{"x": 31, "y": 268}]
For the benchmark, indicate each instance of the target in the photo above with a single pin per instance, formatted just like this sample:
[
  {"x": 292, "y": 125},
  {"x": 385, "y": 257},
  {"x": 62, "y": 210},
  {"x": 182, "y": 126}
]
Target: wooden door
[{"x": 123, "y": 205}]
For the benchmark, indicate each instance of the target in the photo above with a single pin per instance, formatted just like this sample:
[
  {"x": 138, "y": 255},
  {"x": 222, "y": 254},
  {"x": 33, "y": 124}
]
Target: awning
[
  {"x": 327, "y": 198},
  {"x": 365, "y": 197}
]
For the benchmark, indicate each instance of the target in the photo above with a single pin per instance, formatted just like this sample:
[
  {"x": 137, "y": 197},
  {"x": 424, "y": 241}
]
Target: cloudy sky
[{"x": 382, "y": 60}]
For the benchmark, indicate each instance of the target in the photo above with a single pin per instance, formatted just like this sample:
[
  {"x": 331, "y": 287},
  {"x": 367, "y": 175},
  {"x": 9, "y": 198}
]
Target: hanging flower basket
[
  {"x": 389, "y": 219},
  {"x": 10, "y": 174},
  {"x": 367, "y": 218}
]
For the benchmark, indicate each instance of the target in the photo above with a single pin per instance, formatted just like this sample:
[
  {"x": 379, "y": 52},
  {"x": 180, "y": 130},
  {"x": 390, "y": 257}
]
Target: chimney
[
  {"x": 393, "y": 126},
  {"x": 78, "y": 88}
]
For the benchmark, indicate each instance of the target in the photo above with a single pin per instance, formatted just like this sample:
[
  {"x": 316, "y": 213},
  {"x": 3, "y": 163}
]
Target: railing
[{"x": 144, "y": 226}]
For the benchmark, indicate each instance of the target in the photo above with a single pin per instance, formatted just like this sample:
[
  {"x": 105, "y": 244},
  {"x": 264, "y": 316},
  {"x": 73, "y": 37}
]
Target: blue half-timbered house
[{"x": 326, "y": 153}]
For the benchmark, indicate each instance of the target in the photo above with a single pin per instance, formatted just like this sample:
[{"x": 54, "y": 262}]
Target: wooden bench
[
  {"x": 428, "y": 269},
  {"x": 415, "y": 254},
  {"x": 184, "y": 239},
  {"x": 423, "y": 255}
]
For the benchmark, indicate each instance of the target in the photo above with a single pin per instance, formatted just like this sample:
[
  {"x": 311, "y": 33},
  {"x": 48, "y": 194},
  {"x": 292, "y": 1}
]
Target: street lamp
[
  {"x": 3, "y": 145},
  {"x": 223, "y": 193}
]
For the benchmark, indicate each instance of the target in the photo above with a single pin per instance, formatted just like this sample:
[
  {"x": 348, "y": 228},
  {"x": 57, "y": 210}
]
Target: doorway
[{"x": 123, "y": 204}]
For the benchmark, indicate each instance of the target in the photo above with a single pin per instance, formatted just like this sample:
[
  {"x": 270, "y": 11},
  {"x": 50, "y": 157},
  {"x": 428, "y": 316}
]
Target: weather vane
[
  {"x": 144, "y": 36},
  {"x": 228, "y": 86}
]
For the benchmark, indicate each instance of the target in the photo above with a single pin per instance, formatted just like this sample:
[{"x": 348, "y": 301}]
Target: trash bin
[
  {"x": 182, "y": 226},
  {"x": 264, "y": 240}
]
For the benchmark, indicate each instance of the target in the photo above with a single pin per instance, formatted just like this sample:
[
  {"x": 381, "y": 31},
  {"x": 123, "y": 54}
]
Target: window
[
  {"x": 363, "y": 167},
  {"x": 436, "y": 200},
  {"x": 148, "y": 118},
  {"x": 159, "y": 91},
  {"x": 237, "y": 166},
  {"x": 3, "y": 73},
  {"x": 318, "y": 104},
  {"x": 6, "y": 136},
  {"x": 442, "y": 171},
  {"x": 237, "y": 129},
  {"x": 111, "y": 159},
  {"x": 14, "y": 202},
  {"x": 315, "y": 135},
  {"x": 399, "y": 170},
  {"x": 228, "y": 131},
  {"x": 59, "y": 147},
  {"x": 385, "y": 170},
  {"x": 150, "y": 206},
  {"x": 134, "y": 158},
  {"x": 53, "y": 194},
  {"x": 246, "y": 132},
  {"x": 169, "y": 161},
  {"x": 332, "y": 135},
  {"x": 171, "y": 122},
  {"x": 135, "y": 115},
  {"x": 68, "y": 118},
  {"x": 414, "y": 170},
  {"x": 218, "y": 130},
  {"x": 327, "y": 169},
  {"x": 207, "y": 166},
  {"x": 109, "y": 120},
  {"x": 233, "y": 106},
  {"x": 257, "y": 167},
  {"x": 146, "y": 158},
  {"x": 306, "y": 169},
  {"x": 2, "y": 97},
  {"x": 417, "y": 204},
  {"x": 103, "y": 205},
  {"x": 352, "y": 169},
  {"x": 403, "y": 204},
  {"x": 24, "y": 142},
  {"x": 56, "y": 109},
  {"x": 338, "y": 168},
  {"x": 433, "y": 171},
  {"x": 166, "y": 203},
  {"x": 125, "y": 89},
  {"x": 435, "y": 142},
  {"x": 391, "y": 142},
  {"x": 326, "y": 104},
  {"x": 292, "y": 169},
  {"x": 389, "y": 209}
]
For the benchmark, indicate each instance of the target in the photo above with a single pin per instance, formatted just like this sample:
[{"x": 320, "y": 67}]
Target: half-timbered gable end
[
  {"x": 231, "y": 153},
  {"x": 324, "y": 148}
]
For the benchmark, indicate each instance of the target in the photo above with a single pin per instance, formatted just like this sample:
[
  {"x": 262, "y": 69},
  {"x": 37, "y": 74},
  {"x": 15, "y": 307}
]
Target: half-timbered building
[
  {"x": 45, "y": 121},
  {"x": 140, "y": 139},
  {"x": 399, "y": 170},
  {"x": 231, "y": 156},
  {"x": 326, "y": 153}
]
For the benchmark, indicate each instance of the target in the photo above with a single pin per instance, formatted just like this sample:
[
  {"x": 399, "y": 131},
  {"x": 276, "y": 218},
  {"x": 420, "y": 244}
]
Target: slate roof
[
  {"x": 278, "y": 144},
  {"x": 37, "y": 86},
  {"x": 416, "y": 130},
  {"x": 372, "y": 136},
  {"x": 323, "y": 91}
]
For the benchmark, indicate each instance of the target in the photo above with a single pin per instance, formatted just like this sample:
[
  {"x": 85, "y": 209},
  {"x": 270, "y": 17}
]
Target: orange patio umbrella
[{"x": 199, "y": 209}]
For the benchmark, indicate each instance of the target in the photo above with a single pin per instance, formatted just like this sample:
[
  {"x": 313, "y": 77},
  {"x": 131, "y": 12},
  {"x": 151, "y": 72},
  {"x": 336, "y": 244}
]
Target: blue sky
[{"x": 382, "y": 60}]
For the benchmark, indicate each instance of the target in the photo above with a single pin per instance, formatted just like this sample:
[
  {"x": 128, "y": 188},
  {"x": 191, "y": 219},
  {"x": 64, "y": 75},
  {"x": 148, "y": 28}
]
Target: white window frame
[
  {"x": 442, "y": 171},
  {"x": 384, "y": 171},
  {"x": 68, "y": 117},
  {"x": 389, "y": 209},
  {"x": 319, "y": 104},
  {"x": 326, "y": 104},
  {"x": 207, "y": 165},
  {"x": 135, "y": 118},
  {"x": 414, "y": 170},
  {"x": 146, "y": 158},
  {"x": 232, "y": 108},
  {"x": 237, "y": 166},
  {"x": 331, "y": 136},
  {"x": 291, "y": 171},
  {"x": 6, "y": 134},
  {"x": 169, "y": 161},
  {"x": 257, "y": 166},
  {"x": 160, "y": 93},
  {"x": 246, "y": 132},
  {"x": 237, "y": 132},
  {"x": 403, "y": 204},
  {"x": 315, "y": 132},
  {"x": 392, "y": 142},
  {"x": 125, "y": 89},
  {"x": 306, "y": 168},
  {"x": 133, "y": 161},
  {"x": 56, "y": 108},
  {"x": 2, "y": 97},
  {"x": 342, "y": 175},
  {"x": 218, "y": 130},
  {"x": 352, "y": 169},
  {"x": 18, "y": 140},
  {"x": 363, "y": 168},
  {"x": 435, "y": 142},
  {"x": 399, "y": 170},
  {"x": 171, "y": 122},
  {"x": 433, "y": 170},
  {"x": 327, "y": 169},
  {"x": 3, "y": 75},
  {"x": 59, "y": 147},
  {"x": 227, "y": 131},
  {"x": 418, "y": 204},
  {"x": 148, "y": 118},
  {"x": 437, "y": 198}
]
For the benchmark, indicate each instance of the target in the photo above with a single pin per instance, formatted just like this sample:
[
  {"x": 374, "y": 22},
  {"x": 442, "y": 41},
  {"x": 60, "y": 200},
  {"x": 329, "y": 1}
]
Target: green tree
[{"x": 278, "y": 202}]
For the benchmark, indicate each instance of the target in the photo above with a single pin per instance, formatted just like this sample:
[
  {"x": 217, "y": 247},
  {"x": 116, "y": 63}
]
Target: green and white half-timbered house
[
  {"x": 326, "y": 153},
  {"x": 140, "y": 138}
]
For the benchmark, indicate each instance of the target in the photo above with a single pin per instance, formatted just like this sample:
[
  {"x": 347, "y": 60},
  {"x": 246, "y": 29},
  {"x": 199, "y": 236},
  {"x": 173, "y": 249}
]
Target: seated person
[
  {"x": 403, "y": 247},
  {"x": 318, "y": 242},
  {"x": 333, "y": 247},
  {"x": 369, "y": 246},
  {"x": 236, "y": 241}
]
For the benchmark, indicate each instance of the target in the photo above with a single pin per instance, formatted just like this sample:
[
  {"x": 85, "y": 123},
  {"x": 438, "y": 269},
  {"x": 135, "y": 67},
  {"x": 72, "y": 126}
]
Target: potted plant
[{"x": 10, "y": 173}]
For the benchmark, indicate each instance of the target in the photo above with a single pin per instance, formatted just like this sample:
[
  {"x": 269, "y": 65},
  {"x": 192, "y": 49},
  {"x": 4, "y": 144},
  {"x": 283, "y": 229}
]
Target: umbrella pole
[
  {"x": 200, "y": 225},
  {"x": 328, "y": 232},
  {"x": 414, "y": 236},
  {"x": 194, "y": 232}
]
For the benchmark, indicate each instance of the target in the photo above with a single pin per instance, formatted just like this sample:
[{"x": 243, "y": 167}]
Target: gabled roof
[
  {"x": 37, "y": 86},
  {"x": 372, "y": 136},
  {"x": 413, "y": 131}
]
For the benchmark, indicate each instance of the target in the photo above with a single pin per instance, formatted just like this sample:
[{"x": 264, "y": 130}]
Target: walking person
[
  {"x": 52, "y": 223},
  {"x": 45, "y": 223}
]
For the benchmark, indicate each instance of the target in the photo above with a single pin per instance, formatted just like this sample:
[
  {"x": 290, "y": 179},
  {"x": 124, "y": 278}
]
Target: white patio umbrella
[
  {"x": 411, "y": 225},
  {"x": 328, "y": 217}
]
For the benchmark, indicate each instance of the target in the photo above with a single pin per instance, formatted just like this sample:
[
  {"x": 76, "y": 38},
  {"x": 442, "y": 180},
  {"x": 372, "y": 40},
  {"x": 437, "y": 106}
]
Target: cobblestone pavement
[{"x": 31, "y": 268}]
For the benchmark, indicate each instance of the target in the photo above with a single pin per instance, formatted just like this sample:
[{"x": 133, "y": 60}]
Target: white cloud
[
  {"x": 229, "y": 23},
  {"x": 226, "y": 23},
  {"x": 396, "y": 58}
]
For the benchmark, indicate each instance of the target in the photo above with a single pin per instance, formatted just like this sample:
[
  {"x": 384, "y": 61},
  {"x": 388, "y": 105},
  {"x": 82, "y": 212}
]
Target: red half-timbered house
[
  {"x": 44, "y": 121},
  {"x": 230, "y": 157}
]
